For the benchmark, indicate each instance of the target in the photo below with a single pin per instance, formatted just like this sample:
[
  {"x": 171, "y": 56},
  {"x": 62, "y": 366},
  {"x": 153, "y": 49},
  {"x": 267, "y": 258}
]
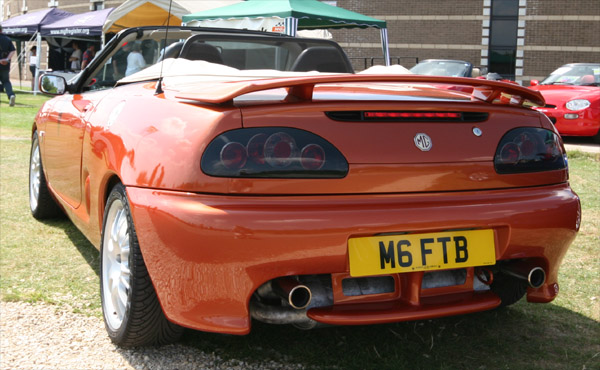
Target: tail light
[
  {"x": 272, "y": 152},
  {"x": 529, "y": 149}
]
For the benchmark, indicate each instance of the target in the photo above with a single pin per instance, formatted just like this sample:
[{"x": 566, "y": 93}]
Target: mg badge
[{"x": 423, "y": 142}]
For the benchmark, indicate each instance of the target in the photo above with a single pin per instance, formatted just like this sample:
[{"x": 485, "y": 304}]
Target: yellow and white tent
[{"x": 137, "y": 13}]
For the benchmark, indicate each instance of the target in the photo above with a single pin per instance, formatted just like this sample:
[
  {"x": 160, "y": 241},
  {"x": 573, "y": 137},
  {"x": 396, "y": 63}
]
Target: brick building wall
[
  {"x": 417, "y": 30},
  {"x": 559, "y": 32},
  {"x": 551, "y": 32},
  {"x": 562, "y": 7}
]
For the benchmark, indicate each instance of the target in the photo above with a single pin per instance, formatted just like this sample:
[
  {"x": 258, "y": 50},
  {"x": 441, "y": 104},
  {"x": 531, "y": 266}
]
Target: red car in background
[{"x": 572, "y": 95}]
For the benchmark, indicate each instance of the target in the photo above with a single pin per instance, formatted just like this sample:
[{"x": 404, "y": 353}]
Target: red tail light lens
[
  {"x": 273, "y": 152},
  {"x": 233, "y": 155},
  {"x": 256, "y": 148},
  {"x": 510, "y": 154},
  {"x": 312, "y": 157},
  {"x": 529, "y": 149},
  {"x": 280, "y": 150}
]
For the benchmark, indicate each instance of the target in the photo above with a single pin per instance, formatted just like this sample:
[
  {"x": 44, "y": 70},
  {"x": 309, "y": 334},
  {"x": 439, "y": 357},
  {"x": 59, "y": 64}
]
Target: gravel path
[{"x": 43, "y": 337}]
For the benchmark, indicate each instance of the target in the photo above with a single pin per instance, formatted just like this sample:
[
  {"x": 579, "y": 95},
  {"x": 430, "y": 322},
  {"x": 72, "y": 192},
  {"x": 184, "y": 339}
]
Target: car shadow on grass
[
  {"x": 87, "y": 250},
  {"x": 524, "y": 336}
]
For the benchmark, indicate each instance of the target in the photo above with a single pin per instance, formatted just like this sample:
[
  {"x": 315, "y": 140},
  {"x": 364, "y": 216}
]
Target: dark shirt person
[
  {"x": 88, "y": 55},
  {"x": 7, "y": 50}
]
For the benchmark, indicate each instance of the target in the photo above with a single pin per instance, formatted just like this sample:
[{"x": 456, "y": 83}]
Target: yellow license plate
[{"x": 377, "y": 255}]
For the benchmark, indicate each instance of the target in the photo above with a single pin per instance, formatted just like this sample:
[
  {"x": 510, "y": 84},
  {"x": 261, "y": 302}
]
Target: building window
[
  {"x": 504, "y": 21},
  {"x": 96, "y": 5}
]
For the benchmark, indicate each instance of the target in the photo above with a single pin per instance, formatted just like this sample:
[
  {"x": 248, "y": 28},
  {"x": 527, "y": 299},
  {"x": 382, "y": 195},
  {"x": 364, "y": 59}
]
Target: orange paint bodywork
[
  {"x": 227, "y": 246},
  {"x": 210, "y": 242}
]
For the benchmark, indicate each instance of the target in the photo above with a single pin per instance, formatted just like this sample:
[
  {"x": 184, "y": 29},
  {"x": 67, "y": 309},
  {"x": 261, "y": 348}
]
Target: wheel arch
[{"x": 109, "y": 183}]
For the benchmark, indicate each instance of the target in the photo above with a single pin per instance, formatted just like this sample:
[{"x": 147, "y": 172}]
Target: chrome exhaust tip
[
  {"x": 296, "y": 294},
  {"x": 535, "y": 277}
]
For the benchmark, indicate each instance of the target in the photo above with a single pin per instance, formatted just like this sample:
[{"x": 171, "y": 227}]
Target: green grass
[
  {"x": 51, "y": 262},
  {"x": 17, "y": 120},
  {"x": 39, "y": 262}
]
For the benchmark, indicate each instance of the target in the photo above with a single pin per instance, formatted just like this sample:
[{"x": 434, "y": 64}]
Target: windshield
[
  {"x": 441, "y": 68},
  {"x": 579, "y": 75}
]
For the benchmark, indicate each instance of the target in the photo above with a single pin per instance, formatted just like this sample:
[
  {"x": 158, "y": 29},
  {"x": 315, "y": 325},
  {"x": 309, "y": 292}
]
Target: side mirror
[
  {"x": 53, "y": 84},
  {"x": 534, "y": 83}
]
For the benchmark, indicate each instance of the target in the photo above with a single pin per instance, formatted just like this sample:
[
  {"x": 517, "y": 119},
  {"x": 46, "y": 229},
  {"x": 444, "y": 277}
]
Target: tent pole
[
  {"x": 291, "y": 26},
  {"x": 36, "y": 78},
  {"x": 385, "y": 46},
  {"x": 19, "y": 63}
]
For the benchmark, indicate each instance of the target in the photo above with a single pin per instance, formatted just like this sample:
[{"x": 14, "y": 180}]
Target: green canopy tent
[{"x": 286, "y": 16}]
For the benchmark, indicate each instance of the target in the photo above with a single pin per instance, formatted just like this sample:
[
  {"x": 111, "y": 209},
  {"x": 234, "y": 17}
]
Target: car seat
[
  {"x": 202, "y": 51},
  {"x": 322, "y": 59},
  {"x": 171, "y": 51}
]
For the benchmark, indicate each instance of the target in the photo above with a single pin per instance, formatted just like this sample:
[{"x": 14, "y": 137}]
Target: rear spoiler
[{"x": 301, "y": 88}]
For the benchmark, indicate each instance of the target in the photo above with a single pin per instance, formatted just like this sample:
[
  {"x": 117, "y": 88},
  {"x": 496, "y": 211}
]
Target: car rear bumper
[{"x": 207, "y": 254}]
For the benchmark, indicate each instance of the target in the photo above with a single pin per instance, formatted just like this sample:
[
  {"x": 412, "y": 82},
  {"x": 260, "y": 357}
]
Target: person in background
[
  {"x": 119, "y": 61},
  {"x": 88, "y": 55},
  {"x": 33, "y": 62},
  {"x": 7, "y": 50},
  {"x": 135, "y": 60},
  {"x": 75, "y": 57}
]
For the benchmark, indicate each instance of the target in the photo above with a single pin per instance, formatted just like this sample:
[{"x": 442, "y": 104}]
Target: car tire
[
  {"x": 131, "y": 310},
  {"x": 42, "y": 204},
  {"x": 509, "y": 289}
]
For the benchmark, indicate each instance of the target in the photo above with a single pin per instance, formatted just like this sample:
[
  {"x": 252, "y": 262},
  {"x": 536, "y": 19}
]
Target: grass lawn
[{"x": 51, "y": 262}]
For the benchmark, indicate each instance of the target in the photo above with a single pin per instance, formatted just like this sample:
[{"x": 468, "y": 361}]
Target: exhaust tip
[
  {"x": 536, "y": 277},
  {"x": 299, "y": 297}
]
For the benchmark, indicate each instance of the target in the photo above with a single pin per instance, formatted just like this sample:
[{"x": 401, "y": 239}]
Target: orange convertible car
[{"x": 245, "y": 175}]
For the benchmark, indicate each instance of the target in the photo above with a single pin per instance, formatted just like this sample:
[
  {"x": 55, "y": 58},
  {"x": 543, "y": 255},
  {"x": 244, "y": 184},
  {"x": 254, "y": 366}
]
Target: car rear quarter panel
[{"x": 145, "y": 140}]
